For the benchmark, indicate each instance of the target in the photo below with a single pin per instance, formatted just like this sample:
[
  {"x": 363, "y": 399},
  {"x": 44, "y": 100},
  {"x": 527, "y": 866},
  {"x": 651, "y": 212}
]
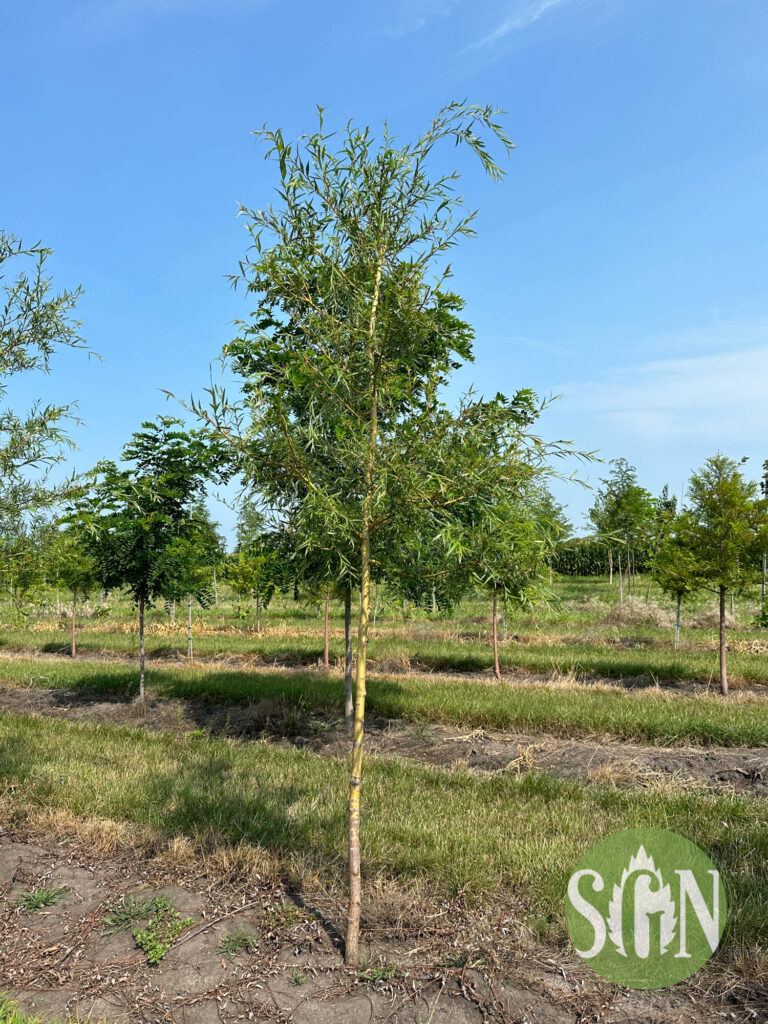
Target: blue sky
[{"x": 622, "y": 264}]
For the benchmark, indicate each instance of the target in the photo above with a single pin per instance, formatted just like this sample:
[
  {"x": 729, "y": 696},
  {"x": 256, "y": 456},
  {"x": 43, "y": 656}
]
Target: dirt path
[
  {"x": 62, "y": 959},
  {"x": 743, "y": 769}
]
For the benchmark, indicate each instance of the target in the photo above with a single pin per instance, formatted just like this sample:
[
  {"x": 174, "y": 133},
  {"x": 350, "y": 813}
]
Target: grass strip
[
  {"x": 647, "y": 716},
  {"x": 454, "y": 831},
  {"x": 596, "y": 655}
]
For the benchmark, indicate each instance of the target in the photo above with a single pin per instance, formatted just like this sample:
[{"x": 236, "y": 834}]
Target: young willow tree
[{"x": 354, "y": 332}]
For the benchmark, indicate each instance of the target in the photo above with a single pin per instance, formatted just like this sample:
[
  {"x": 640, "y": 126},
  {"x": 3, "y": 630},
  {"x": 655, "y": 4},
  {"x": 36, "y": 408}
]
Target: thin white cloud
[
  {"x": 403, "y": 17},
  {"x": 517, "y": 19},
  {"x": 717, "y": 398}
]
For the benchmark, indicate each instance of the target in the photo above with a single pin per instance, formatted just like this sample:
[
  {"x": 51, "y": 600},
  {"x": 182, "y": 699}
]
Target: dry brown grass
[{"x": 634, "y": 612}]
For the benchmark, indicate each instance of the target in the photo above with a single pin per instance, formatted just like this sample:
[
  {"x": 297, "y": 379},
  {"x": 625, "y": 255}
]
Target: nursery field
[{"x": 175, "y": 861}]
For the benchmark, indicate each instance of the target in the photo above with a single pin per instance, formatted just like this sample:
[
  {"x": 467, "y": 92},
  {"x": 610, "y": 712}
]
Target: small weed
[
  {"x": 163, "y": 928},
  {"x": 38, "y": 898},
  {"x": 240, "y": 941},
  {"x": 455, "y": 958},
  {"x": 298, "y": 977},
  {"x": 284, "y": 916},
  {"x": 126, "y": 912},
  {"x": 385, "y": 972}
]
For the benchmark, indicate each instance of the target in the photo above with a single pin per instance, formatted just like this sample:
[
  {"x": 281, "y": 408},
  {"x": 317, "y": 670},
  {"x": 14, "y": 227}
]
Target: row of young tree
[{"x": 716, "y": 542}]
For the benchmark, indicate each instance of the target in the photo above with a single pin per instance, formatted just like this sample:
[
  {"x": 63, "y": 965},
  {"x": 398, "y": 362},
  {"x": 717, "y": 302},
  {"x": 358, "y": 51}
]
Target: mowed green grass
[
  {"x": 454, "y": 831},
  {"x": 601, "y": 651},
  {"x": 649, "y": 716}
]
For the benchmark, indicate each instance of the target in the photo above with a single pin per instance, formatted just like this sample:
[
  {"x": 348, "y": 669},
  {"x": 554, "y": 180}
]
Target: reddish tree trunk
[
  {"x": 189, "y": 627},
  {"x": 141, "y": 651},
  {"x": 326, "y": 658},
  {"x": 723, "y": 665},
  {"x": 496, "y": 669},
  {"x": 74, "y": 614}
]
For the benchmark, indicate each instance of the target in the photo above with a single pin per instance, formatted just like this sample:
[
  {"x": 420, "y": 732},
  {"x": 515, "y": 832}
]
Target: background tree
[
  {"x": 675, "y": 567},
  {"x": 197, "y": 553},
  {"x": 724, "y": 530},
  {"x": 140, "y": 522},
  {"x": 70, "y": 560},
  {"x": 622, "y": 515}
]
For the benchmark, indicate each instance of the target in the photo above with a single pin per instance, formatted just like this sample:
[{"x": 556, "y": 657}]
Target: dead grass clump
[
  {"x": 633, "y": 612},
  {"x": 101, "y": 837},
  {"x": 711, "y": 620}
]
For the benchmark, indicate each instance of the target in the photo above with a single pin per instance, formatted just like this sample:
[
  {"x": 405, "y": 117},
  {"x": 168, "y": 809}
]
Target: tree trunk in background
[
  {"x": 677, "y": 622},
  {"x": 621, "y": 582},
  {"x": 74, "y": 614},
  {"x": 496, "y": 669},
  {"x": 326, "y": 655},
  {"x": 295, "y": 590},
  {"x": 258, "y": 611},
  {"x": 215, "y": 589},
  {"x": 189, "y": 627},
  {"x": 764, "y": 566},
  {"x": 733, "y": 605},
  {"x": 405, "y": 614},
  {"x": 348, "y": 705},
  {"x": 434, "y": 601},
  {"x": 723, "y": 665},
  {"x": 610, "y": 566},
  {"x": 141, "y": 651}
]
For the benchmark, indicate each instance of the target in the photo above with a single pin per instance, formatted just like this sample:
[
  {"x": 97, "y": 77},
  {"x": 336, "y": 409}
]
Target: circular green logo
[{"x": 645, "y": 908}]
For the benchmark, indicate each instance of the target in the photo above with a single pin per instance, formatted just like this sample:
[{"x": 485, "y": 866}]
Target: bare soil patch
[
  {"x": 437, "y": 964},
  {"x": 740, "y": 769}
]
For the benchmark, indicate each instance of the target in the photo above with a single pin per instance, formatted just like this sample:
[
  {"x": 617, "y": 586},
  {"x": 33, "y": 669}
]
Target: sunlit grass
[
  {"x": 648, "y": 715},
  {"x": 455, "y": 831}
]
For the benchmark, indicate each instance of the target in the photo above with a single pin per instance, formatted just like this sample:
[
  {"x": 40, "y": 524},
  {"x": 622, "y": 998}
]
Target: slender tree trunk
[
  {"x": 215, "y": 588},
  {"x": 352, "y": 951},
  {"x": 496, "y": 669},
  {"x": 621, "y": 582},
  {"x": 764, "y": 567},
  {"x": 733, "y": 604},
  {"x": 74, "y": 614},
  {"x": 326, "y": 655},
  {"x": 101, "y": 598},
  {"x": 677, "y": 622},
  {"x": 258, "y": 611},
  {"x": 141, "y": 651},
  {"x": 610, "y": 566},
  {"x": 352, "y": 945},
  {"x": 348, "y": 705},
  {"x": 405, "y": 613},
  {"x": 434, "y": 600},
  {"x": 189, "y": 627},
  {"x": 723, "y": 665},
  {"x": 549, "y": 560}
]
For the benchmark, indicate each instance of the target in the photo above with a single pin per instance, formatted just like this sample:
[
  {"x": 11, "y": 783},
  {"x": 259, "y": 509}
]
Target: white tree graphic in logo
[{"x": 647, "y": 902}]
